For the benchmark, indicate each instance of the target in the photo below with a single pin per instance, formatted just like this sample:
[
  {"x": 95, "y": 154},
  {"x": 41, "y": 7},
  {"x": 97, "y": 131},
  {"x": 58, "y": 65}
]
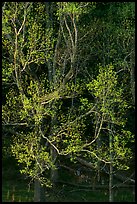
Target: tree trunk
[
  {"x": 38, "y": 189},
  {"x": 110, "y": 183},
  {"x": 38, "y": 192},
  {"x": 132, "y": 73},
  {"x": 54, "y": 172},
  {"x": 110, "y": 167},
  {"x": 52, "y": 80}
]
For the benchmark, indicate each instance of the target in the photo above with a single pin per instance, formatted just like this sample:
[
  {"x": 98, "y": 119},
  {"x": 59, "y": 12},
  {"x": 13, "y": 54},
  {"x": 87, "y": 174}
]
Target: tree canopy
[{"x": 68, "y": 84}]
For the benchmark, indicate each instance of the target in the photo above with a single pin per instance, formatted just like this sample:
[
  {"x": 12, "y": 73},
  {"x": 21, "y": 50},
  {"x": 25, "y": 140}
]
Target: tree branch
[{"x": 100, "y": 159}]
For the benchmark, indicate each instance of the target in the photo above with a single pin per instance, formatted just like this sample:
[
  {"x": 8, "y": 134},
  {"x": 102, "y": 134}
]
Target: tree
[
  {"x": 59, "y": 79},
  {"x": 110, "y": 123},
  {"x": 27, "y": 40},
  {"x": 41, "y": 82}
]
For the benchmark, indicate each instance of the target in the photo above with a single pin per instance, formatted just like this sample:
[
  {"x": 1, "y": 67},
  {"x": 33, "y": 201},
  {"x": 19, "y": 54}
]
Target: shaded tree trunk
[
  {"x": 38, "y": 188},
  {"x": 52, "y": 80},
  {"x": 54, "y": 172},
  {"x": 110, "y": 166},
  {"x": 38, "y": 192},
  {"x": 110, "y": 183},
  {"x": 132, "y": 72}
]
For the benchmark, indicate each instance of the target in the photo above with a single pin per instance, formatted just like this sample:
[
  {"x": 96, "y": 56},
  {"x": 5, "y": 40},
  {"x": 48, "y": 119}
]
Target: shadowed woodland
[{"x": 68, "y": 101}]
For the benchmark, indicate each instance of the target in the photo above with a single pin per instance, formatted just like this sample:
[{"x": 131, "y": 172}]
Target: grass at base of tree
[
  {"x": 15, "y": 191},
  {"x": 75, "y": 194}
]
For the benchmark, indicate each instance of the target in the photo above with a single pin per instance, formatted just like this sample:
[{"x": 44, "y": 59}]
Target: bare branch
[
  {"x": 63, "y": 33},
  {"x": 88, "y": 164},
  {"x": 51, "y": 143},
  {"x": 25, "y": 13},
  {"x": 22, "y": 23},
  {"x": 14, "y": 124},
  {"x": 56, "y": 48},
  {"x": 100, "y": 159},
  {"x": 75, "y": 29},
  {"x": 84, "y": 115},
  {"x": 100, "y": 127},
  {"x": 84, "y": 5},
  {"x": 127, "y": 179},
  {"x": 72, "y": 42},
  {"x": 65, "y": 126}
]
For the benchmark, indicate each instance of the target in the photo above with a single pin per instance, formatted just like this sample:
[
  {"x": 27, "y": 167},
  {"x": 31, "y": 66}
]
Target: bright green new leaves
[
  {"x": 111, "y": 106},
  {"x": 28, "y": 45},
  {"x": 50, "y": 52},
  {"x": 123, "y": 153},
  {"x": 34, "y": 157},
  {"x": 68, "y": 8},
  {"x": 72, "y": 139},
  {"x": 9, "y": 110},
  {"x": 75, "y": 7},
  {"x": 108, "y": 94}
]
